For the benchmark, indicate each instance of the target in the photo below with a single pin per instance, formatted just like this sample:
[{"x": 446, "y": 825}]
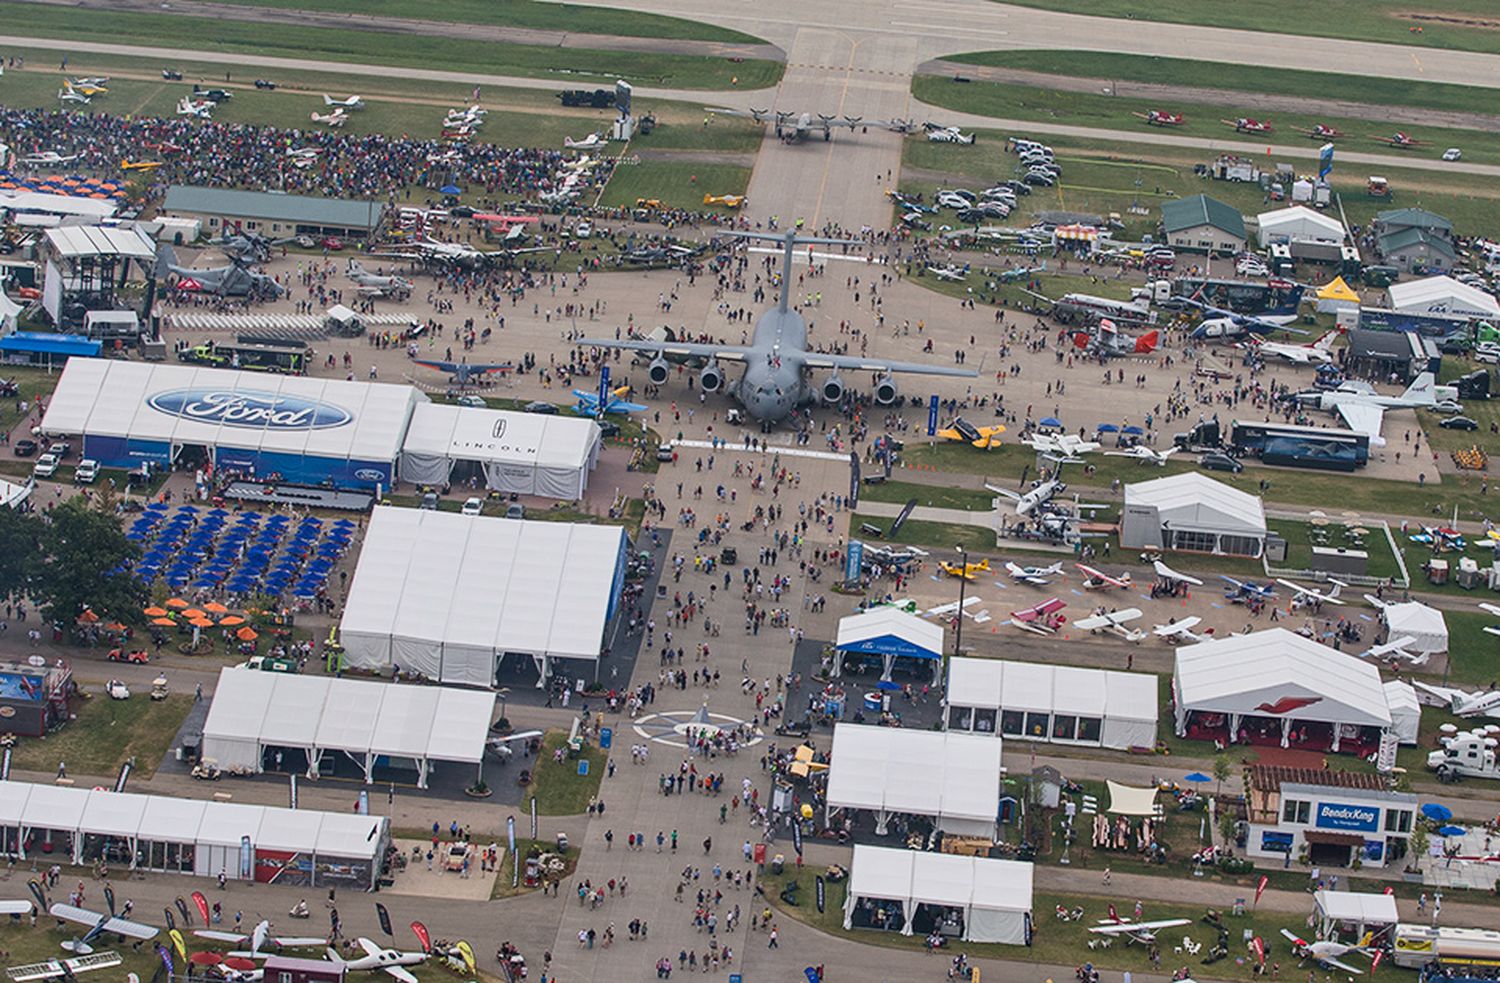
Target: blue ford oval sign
[
  {"x": 369, "y": 474},
  {"x": 249, "y": 408}
]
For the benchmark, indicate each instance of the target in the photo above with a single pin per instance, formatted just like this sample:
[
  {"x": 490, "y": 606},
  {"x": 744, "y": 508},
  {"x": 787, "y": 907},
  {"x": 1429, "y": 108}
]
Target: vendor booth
[
  {"x": 509, "y": 452},
  {"x": 1056, "y": 704},
  {"x": 1276, "y": 688},
  {"x": 889, "y": 634},
  {"x": 952, "y": 780},
  {"x": 166, "y": 840},
  {"x": 975, "y": 899},
  {"x": 1350, "y": 914},
  {"x": 111, "y": 822},
  {"x": 1406, "y": 711},
  {"x": 1423, "y": 625}
]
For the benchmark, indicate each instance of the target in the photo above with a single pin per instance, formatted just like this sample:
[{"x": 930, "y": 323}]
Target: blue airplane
[
  {"x": 588, "y": 403},
  {"x": 1240, "y": 591},
  {"x": 462, "y": 373}
]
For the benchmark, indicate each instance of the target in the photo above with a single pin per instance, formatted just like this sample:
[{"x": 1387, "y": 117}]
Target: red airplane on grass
[
  {"x": 1322, "y": 131},
  {"x": 1247, "y": 125},
  {"x": 1402, "y": 141},
  {"x": 1158, "y": 117}
]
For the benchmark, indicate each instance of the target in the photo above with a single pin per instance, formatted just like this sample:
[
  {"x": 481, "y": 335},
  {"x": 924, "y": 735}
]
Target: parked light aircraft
[
  {"x": 1167, "y": 573},
  {"x": 1064, "y": 446},
  {"x": 1319, "y": 352},
  {"x": 588, "y": 403},
  {"x": 1106, "y": 340},
  {"x": 1240, "y": 591},
  {"x": 347, "y": 105},
  {"x": 1042, "y": 619},
  {"x": 69, "y": 94},
  {"x": 1460, "y": 702},
  {"x": 1113, "y": 621},
  {"x": 99, "y": 923},
  {"x": 139, "y": 165},
  {"x": 47, "y": 158},
  {"x": 88, "y": 86},
  {"x": 1306, "y": 595},
  {"x": 1491, "y": 609},
  {"x": 1142, "y": 932},
  {"x": 1032, "y": 500},
  {"x": 1099, "y": 580},
  {"x": 949, "y": 134},
  {"x": 262, "y": 942},
  {"x": 1146, "y": 455},
  {"x": 1327, "y": 953},
  {"x": 1036, "y": 576},
  {"x": 462, "y": 373},
  {"x": 333, "y": 120},
  {"x": 795, "y": 127},
  {"x": 1363, "y": 409},
  {"x": 982, "y": 437},
  {"x": 197, "y": 108},
  {"x": 1179, "y": 631},
  {"x": 728, "y": 201},
  {"x": 1220, "y": 322},
  {"x": 391, "y": 961},
  {"x": 384, "y": 285},
  {"x": 777, "y": 360},
  {"x": 1396, "y": 649},
  {"x": 62, "y": 969},
  {"x": 591, "y": 142},
  {"x": 964, "y": 570}
]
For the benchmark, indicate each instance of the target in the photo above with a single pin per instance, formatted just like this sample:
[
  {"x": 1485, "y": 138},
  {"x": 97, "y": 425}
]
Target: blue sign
[
  {"x": 606, "y": 737},
  {"x": 855, "y": 560},
  {"x": 1325, "y": 160},
  {"x": 1361, "y": 819},
  {"x": 603, "y": 390},
  {"x": 932, "y": 410},
  {"x": 249, "y": 408},
  {"x": 583, "y": 767}
]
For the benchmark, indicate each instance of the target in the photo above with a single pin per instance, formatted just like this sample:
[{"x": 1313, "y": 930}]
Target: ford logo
[
  {"x": 369, "y": 474},
  {"x": 249, "y": 408}
]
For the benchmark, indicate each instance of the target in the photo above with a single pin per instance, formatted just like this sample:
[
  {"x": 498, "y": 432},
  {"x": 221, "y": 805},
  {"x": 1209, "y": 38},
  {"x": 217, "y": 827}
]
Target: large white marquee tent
[
  {"x": 953, "y": 778},
  {"x": 890, "y": 633},
  {"x": 521, "y": 453},
  {"x": 254, "y": 711},
  {"x": 992, "y": 897},
  {"x": 1060, "y": 704},
  {"x": 1422, "y": 624},
  {"x": 447, "y": 595}
]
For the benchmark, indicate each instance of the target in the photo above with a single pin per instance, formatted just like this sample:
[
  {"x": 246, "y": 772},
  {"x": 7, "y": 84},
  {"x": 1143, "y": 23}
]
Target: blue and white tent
[{"x": 891, "y": 633}]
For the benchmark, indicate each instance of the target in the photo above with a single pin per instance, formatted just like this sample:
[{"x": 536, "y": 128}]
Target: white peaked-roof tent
[
  {"x": 446, "y": 595},
  {"x": 1191, "y": 511},
  {"x": 1062, "y": 704},
  {"x": 994, "y": 896},
  {"x": 1442, "y": 295},
  {"x": 891, "y": 633},
  {"x": 520, "y": 453},
  {"x": 1415, "y": 620},
  {"x": 1297, "y": 222},
  {"x": 1277, "y": 673},
  {"x": 360, "y": 718},
  {"x": 953, "y": 778},
  {"x": 1364, "y": 911},
  {"x": 335, "y": 430},
  {"x": 1406, "y": 711}
]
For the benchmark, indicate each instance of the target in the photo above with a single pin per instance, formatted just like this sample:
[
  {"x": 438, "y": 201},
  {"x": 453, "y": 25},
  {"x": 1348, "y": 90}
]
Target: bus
[
  {"x": 1268, "y": 299},
  {"x": 253, "y": 356},
  {"x": 1325, "y": 448}
]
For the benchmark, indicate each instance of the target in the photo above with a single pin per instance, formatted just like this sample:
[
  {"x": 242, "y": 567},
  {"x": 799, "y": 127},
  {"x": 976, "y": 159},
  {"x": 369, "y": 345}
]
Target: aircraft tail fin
[
  {"x": 1147, "y": 342},
  {"x": 1422, "y": 390},
  {"x": 1325, "y": 343}
]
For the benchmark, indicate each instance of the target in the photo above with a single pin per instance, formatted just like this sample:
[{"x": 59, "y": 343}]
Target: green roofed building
[
  {"x": 1414, "y": 239},
  {"x": 1201, "y": 224},
  {"x": 273, "y": 215}
]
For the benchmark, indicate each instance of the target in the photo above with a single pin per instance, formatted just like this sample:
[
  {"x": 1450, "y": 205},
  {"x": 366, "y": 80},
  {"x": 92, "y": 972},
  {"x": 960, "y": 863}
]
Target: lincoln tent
[{"x": 520, "y": 453}]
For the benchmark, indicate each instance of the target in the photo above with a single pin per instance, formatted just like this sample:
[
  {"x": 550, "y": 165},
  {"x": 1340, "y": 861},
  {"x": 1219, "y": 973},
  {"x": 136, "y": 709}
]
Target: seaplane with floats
[
  {"x": 1134, "y": 931},
  {"x": 1041, "y": 619},
  {"x": 1304, "y": 596},
  {"x": 1180, "y": 631},
  {"x": 1146, "y": 455},
  {"x": 968, "y": 571},
  {"x": 1035, "y": 576},
  {"x": 983, "y": 438},
  {"x": 349, "y": 104},
  {"x": 1117, "y": 622},
  {"x": 1240, "y": 591},
  {"x": 98, "y": 924},
  {"x": 1247, "y": 125},
  {"x": 1160, "y": 117},
  {"x": 1095, "y": 579},
  {"x": 1328, "y": 953}
]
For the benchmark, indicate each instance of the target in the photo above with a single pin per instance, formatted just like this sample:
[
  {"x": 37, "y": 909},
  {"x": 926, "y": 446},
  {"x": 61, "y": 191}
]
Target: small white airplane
[
  {"x": 69, "y": 94},
  {"x": 1099, "y": 580},
  {"x": 1490, "y": 609},
  {"x": 47, "y": 158},
  {"x": 951, "y": 608},
  {"x": 335, "y": 119},
  {"x": 1144, "y": 454},
  {"x": 1065, "y": 446},
  {"x": 1460, "y": 702},
  {"x": 91, "y": 82},
  {"x": 1113, "y": 621},
  {"x": 62, "y": 969},
  {"x": 1032, "y": 500},
  {"x": 1142, "y": 932},
  {"x": 14, "y": 907},
  {"x": 591, "y": 142},
  {"x": 390, "y": 961},
  {"x": 1167, "y": 573},
  {"x": 1306, "y": 595},
  {"x": 260, "y": 938},
  {"x": 1180, "y": 631},
  {"x": 347, "y": 105},
  {"x": 949, "y": 134},
  {"x": 99, "y": 923},
  {"x": 1328, "y": 952},
  {"x": 949, "y": 272},
  {"x": 1036, "y": 576},
  {"x": 198, "y": 108},
  {"x": 1396, "y": 648},
  {"x": 1319, "y": 352}
]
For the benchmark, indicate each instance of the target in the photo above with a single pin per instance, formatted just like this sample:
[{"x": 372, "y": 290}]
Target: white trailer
[{"x": 1470, "y": 754}]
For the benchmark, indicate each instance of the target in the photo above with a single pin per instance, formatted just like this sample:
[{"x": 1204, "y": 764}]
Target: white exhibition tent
[
  {"x": 1298, "y": 222},
  {"x": 891, "y": 633},
  {"x": 1061, "y": 704},
  {"x": 254, "y": 711},
  {"x": 953, "y": 778},
  {"x": 993, "y": 896},
  {"x": 1424, "y": 625},
  {"x": 12, "y": 494},
  {"x": 1441, "y": 295},
  {"x": 1406, "y": 711},
  {"x": 446, "y": 595},
  {"x": 1278, "y": 673},
  {"x": 1363, "y": 910},
  {"x": 520, "y": 453},
  {"x": 1191, "y": 511}
]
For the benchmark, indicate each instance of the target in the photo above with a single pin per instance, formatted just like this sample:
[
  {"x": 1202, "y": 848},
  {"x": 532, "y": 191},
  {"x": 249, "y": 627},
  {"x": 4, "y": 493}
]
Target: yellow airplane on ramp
[
  {"x": 982, "y": 437},
  {"x": 728, "y": 201},
  {"x": 964, "y": 570}
]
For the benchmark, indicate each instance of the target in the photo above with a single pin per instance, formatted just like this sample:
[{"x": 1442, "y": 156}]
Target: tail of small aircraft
[
  {"x": 1422, "y": 390},
  {"x": 1325, "y": 343},
  {"x": 1147, "y": 342}
]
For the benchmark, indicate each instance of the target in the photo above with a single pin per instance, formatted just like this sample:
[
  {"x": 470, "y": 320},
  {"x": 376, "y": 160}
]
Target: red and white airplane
[
  {"x": 1158, "y": 117},
  {"x": 1322, "y": 131},
  {"x": 335, "y": 119},
  {"x": 1247, "y": 125},
  {"x": 1401, "y": 140},
  {"x": 1328, "y": 953},
  {"x": 1099, "y": 580},
  {"x": 1142, "y": 932},
  {"x": 1043, "y": 619}
]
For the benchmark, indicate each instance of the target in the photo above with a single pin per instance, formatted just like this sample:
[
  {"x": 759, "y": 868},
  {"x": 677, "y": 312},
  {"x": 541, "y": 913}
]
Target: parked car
[
  {"x": 470, "y": 399},
  {"x": 664, "y": 452},
  {"x": 136, "y": 657},
  {"x": 542, "y": 407},
  {"x": 429, "y": 502},
  {"x": 1487, "y": 351},
  {"x": 265, "y": 84},
  {"x": 473, "y": 506},
  {"x": 1448, "y": 406},
  {"x": 171, "y": 75},
  {"x": 515, "y": 510},
  {"x": 1453, "y": 153},
  {"x": 46, "y": 465},
  {"x": 87, "y": 472},
  {"x": 1216, "y": 461},
  {"x": 583, "y": 230},
  {"x": 1458, "y": 423},
  {"x": 24, "y": 447}
]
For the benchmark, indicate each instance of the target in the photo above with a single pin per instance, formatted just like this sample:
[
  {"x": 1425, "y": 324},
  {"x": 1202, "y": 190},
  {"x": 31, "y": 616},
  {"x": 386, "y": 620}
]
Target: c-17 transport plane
[{"x": 777, "y": 361}]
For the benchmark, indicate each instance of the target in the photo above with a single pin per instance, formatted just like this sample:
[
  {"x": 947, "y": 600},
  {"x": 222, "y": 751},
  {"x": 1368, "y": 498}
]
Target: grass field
[
  {"x": 1022, "y": 102},
  {"x": 32, "y": 383},
  {"x": 583, "y": 65},
  {"x": 1387, "y": 21},
  {"x": 677, "y": 184},
  {"x": 1110, "y": 67},
  {"x": 1474, "y": 655},
  {"x": 936, "y": 496},
  {"x": 23, "y": 945},
  {"x": 558, "y": 788},
  {"x": 1300, "y": 538},
  {"x": 918, "y": 532},
  {"x": 106, "y": 734},
  {"x": 573, "y": 18}
]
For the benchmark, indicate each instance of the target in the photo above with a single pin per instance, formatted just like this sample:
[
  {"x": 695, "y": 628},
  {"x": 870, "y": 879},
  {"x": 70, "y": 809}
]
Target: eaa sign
[
  {"x": 249, "y": 408},
  {"x": 1356, "y": 818}
]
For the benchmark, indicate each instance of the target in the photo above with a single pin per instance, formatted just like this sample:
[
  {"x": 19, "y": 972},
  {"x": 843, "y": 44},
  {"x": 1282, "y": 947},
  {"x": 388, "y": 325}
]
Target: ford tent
[{"x": 891, "y": 634}]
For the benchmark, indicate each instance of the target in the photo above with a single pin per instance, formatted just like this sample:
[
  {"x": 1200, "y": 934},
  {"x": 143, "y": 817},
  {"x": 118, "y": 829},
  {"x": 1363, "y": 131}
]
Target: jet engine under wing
[{"x": 817, "y": 360}]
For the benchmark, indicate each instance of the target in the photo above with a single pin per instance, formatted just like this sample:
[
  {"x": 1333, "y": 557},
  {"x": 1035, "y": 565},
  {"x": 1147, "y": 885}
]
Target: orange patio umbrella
[
  {"x": 214, "y": 607},
  {"x": 88, "y": 616},
  {"x": 201, "y": 623},
  {"x": 177, "y": 602},
  {"x": 246, "y": 634},
  {"x": 154, "y": 612},
  {"x": 192, "y": 613},
  {"x": 231, "y": 621},
  {"x": 164, "y": 622}
]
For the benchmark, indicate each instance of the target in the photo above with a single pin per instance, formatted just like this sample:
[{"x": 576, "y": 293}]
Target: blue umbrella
[
  {"x": 1133, "y": 430},
  {"x": 887, "y": 685},
  {"x": 1050, "y": 421},
  {"x": 1437, "y": 812},
  {"x": 450, "y": 189},
  {"x": 1107, "y": 428},
  {"x": 1198, "y": 778},
  {"x": 1451, "y": 831}
]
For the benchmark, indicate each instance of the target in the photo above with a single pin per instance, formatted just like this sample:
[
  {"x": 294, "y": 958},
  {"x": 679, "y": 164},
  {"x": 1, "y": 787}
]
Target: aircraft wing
[
  {"x": 817, "y": 360},
  {"x": 15, "y": 907},
  {"x": 682, "y": 349},
  {"x": 118, "y": 926},
  {"x": 232, "y": 937},
  {"x": 55, "y": 969},
  {"x": 1131, "y": 928},
  {"x": 402, "y": 974},
  {"x": 1166, "y": 572},
  {"x": 1362, "y": 417},
  {"x": 295, "y": 941},
  {"x": 1330, "y": 961}
]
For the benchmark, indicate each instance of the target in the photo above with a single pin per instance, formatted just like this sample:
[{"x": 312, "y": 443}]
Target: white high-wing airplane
[
  {"x": 1142, "y": 932},
  {"x": 1113, "y": 621},
  {"x": 1319, "y": 352},
  {"x": 1460, "y": 702},
  {"x": 946, "y": 610},
  {"x": 1167, "y": 573},
  {"x": 260, "y": 938},
  {"x": 949, "y": 134},
  {"x": 1032, "y": 500},
  {"x": 99, "y": 923},
  {"x": 1396, "y": 648},
  {"x": 1491, "y": 609},
  {"x": 591, "y": 142},
  {"x": 390, "y": 961},
  {"x": 1305, "y": 595},
  {"x": 335, "y": 119},
  {"x": 1064, "y": 445},
  {"x": 1363, "y": 409},
  {"x": 1099, "y": 580},
  {"x": 1179, "y": 631},
  {"x": 1145, "y": 454},
  {"x": 348, "y": 105},
  {"x": 62, "y": 969},
  {"x": 47, "y": 158},
  {"x": 1327, "y": 952},
  {"x": 1036, "y": 576},
  {"x": 200, "y": 108}
]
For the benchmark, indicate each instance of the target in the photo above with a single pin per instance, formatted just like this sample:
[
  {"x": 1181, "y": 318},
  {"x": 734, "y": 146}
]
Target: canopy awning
[{"x": 1126, "y": 800}]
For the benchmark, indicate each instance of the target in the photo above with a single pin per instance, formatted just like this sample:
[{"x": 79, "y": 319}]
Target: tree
[
  {"x": 1227, "y": 823},
  {"x": 1418, "y": 845},
  {"x": 79, "y": 566},
  {"x": 1221, "y": 771},
  {"x": 19, "y": 535}
]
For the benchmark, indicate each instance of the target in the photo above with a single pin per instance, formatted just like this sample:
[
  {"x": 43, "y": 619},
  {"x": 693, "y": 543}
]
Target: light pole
[
  {"x": 504, "y": 693},
  {"x": 963, "y": 580}
]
